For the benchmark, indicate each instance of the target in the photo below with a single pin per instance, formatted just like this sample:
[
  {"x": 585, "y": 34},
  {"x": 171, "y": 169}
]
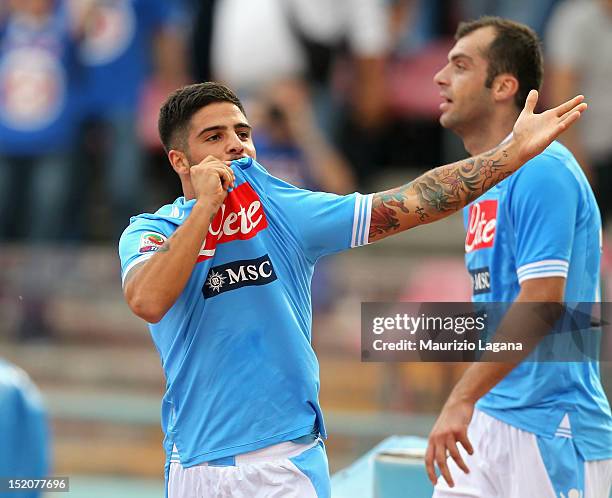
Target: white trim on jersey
[
  {"x": 541, "y": 269},
  {"x": 139, "y": 259},
  {"x": 565, "y": 428},
  {"x": 361, "y": 220}
]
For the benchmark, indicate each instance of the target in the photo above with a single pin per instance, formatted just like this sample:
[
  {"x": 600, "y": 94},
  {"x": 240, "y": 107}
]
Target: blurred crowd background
[{"x": 341, "y": 96}]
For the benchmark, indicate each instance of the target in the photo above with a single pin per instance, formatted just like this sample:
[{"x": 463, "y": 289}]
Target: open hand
[{"x": 534, "y": 132}]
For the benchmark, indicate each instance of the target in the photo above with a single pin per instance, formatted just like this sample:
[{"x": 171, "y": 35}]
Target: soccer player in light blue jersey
[
  {"x": 526, "y": 429},
  {"x": 222, "y": 276}
]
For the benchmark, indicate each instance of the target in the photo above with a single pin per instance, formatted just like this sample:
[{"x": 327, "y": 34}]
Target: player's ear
[
  {"x": 504, "y": 87},
  {"x": 179, "y": 161}
]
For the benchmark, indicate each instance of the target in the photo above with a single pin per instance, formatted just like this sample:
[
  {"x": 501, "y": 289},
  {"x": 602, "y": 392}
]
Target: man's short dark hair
[
  {"x": 516, "y": 50},
  {"x": 176, "y": 113}
]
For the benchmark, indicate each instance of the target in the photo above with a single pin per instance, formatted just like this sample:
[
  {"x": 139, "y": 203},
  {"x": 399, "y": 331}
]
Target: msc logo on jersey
[
  {"x": 238, "y": 274},
  {"x": 482, "y": 221},
  {"x": 481, "y": 280},
  {"x": 241, "y": 217}
]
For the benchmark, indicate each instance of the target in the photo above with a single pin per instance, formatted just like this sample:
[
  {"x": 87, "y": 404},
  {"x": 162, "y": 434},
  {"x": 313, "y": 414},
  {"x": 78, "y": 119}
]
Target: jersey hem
[
  {"x": 581, "y": 445},
  {"x": 245, "y": 448},
  {"x": 496, "y": 414}
]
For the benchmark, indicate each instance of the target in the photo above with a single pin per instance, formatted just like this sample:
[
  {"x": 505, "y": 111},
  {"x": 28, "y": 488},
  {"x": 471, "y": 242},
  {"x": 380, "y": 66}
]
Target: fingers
[
  {"x": 222, "y": 168},
  {"x": 578, "y": 109},
  {"x": 566, "y": 121},
  {"x": 453, "y": 451},
  {"x": 569, "y": 106},
  {"x": 438, "y": 452},
  {"x": 429, "y": 463},
  {"x": 465, "y": 442},
  {"x": 532, "y": 100},
  {"x": 440, "y": 457},
  {"x": 226, "y": 175}
]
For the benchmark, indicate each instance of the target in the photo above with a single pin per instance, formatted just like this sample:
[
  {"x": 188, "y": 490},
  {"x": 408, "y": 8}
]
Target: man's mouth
[{"x": 446, "y": 102}]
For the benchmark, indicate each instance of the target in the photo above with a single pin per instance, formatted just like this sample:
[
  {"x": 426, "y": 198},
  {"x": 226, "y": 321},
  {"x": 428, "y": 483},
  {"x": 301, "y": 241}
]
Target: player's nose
[
  {"x": 440, "y": 77},
  {"x": 235, "y": 145}
]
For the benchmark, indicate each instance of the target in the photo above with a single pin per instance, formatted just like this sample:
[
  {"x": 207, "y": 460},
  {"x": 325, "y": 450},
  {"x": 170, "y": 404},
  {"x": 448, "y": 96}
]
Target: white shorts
[
  {"x": 285, "y": 470},
  {"x": 512, "y": 463}
]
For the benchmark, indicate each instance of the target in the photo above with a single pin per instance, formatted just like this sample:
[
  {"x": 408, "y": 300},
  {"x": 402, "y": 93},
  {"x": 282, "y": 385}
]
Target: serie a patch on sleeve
[{"x": 151, "y": 242}]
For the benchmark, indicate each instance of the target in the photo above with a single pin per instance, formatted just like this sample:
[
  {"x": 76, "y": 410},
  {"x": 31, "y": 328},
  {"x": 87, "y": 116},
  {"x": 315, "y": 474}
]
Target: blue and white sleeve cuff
[
  {"x": 543, "y": 269},
  {"x": 138, "y": 260},
  {"x": 361, "y": 221}
]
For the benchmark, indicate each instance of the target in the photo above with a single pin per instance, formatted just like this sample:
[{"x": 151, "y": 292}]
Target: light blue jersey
[
  {"x": 542, "y": 221},
  {"x": 24, "y": 433},
  {"x": 235, "y": 347}
]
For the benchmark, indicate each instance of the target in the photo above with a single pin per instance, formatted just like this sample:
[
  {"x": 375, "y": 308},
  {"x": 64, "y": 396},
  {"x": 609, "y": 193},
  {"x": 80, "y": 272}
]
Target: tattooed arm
[
  {"x": 444, "y": 190},
  {"x": 438, "y": 193}
]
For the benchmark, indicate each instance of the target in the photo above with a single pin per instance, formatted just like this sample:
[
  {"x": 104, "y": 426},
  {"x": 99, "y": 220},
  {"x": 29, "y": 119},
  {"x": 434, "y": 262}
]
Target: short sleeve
[
  {"x": 141, "y": 240},
  {"x": 323, "y": 223},
  {"x": 543, "y": 208}
]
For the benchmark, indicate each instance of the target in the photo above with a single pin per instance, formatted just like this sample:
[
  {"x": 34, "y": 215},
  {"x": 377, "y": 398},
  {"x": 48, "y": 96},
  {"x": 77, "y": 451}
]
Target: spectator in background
[
  {"x": 534, "y": 14},
  {"x": 579, "y": 49},
  {"x": 125, "y": 42},
  {"x": 305, "y": 38},
  {"x": 24, "y": 435},
  {"x": 292, "y": 147},
  {"x": 38, "y": 113},
  {"x": 170, "y": 71}
]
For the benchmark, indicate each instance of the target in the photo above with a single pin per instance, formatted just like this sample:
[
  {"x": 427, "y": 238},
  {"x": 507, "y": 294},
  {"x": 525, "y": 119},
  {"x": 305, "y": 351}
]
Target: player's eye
[
  {"x": 213, "y": 138},
  {"x": 244, "y": 135}
]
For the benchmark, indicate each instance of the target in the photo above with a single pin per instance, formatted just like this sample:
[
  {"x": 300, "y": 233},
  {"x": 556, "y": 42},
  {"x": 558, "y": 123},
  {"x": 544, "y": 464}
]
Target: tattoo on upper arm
[{"x": 438, "y": 192}]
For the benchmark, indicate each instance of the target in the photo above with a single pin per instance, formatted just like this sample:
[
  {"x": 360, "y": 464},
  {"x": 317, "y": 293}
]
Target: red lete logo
[
  {"x": 482, "y": 221},
  {"x": 241, "y": 217}
]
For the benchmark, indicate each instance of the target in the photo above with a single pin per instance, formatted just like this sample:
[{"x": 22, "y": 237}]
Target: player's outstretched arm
[{"x": 446, "y": 189}]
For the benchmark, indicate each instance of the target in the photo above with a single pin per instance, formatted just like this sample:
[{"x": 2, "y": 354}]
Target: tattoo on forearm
[
  {"x": 165, "y": 247},
  {"x": 438, "y": 192},
  {"x": 421, "y": 213},
  {"x": 384, "y": 217}
]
